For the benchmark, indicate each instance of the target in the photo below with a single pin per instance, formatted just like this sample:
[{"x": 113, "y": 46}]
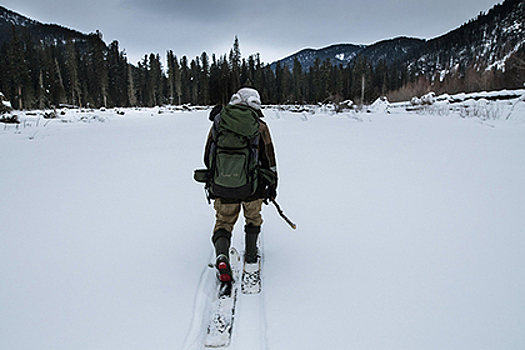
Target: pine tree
[
  {"x": 15, "y": 68},
  {"x": 52, "y": 78},
  {"x": 59, "y": 91},
  {"x": 249, "y": 78},
  {"x": 214, "y": 81},
  {"x": 142, "y": 82},
  {"x": 155, "y": 80},
  {"x": 235, "y": 65},
  {"x": 72, "y": 70},
  {"x": 279, "y": 83},
  {"x": 131, "y": 86},
  {"x": 225, "y": 89},
  {"x": 258, "y": 76},
  {"x": 314, "y": 82},
  {"x": 40, "y": 92},
  {"x": 170, "y": 58},
  {"x": 97, "y": 69},
  {"x": 195, "y": 74},
  {"x": 185, "y": 78},
  {"x": 379, "y": 79},
  {"x": 31, "y": 64},
  {"x": 298, "y": 90},
  {"x": 361, "y": 79},
  {"x": 324, "y": 81},
  {"x": 335, "y": 84},
  {"x": 117, "y": 75},
  {"x": 205, "y": 79},
  {"x": 178, "y": 81}
]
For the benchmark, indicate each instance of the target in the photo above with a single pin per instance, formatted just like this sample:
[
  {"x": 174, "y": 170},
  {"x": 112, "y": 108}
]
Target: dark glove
[{"x": 270, "y": 194}]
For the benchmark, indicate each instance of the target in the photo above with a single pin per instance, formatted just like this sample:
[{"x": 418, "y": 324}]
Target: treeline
[{"x": 88, "y": 73}]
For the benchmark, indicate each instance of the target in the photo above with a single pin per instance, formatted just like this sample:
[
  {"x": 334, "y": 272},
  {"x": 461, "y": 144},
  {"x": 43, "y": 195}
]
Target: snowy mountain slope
[
  {"x": 410, "y": 232},
  {"x": 50, "y": 34},
  {"x": 14, "y": 18},
  {"x": 487, "y": 41},
  {"x": 397, "y": 50},
  {"x": 340, "y": 54}
]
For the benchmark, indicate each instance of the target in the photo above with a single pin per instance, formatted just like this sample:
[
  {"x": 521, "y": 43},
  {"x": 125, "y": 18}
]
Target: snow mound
[{"x": 380, "y": 105}]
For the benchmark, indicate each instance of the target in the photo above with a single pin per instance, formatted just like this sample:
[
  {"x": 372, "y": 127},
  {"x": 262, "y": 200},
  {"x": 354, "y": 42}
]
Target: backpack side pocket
[{"x": 201, "y": 175}]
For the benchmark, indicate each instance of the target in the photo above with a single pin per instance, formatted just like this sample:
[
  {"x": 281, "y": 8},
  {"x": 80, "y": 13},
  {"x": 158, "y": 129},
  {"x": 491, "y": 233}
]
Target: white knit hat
[{"x": 248, "y": 97}]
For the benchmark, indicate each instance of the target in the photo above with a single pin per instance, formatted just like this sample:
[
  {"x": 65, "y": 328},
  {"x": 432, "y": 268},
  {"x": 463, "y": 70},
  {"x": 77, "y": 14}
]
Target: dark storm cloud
[{"x": 197, "y": 11}]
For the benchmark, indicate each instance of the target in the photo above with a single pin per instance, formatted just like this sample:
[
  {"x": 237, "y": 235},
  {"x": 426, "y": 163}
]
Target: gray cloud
[
  {"x": 195, "y": 11},
  {"x": 274, "y": 28}
]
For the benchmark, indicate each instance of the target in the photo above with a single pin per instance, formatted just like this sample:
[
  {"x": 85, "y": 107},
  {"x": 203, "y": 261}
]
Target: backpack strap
[{"x": 213, "y": 153}]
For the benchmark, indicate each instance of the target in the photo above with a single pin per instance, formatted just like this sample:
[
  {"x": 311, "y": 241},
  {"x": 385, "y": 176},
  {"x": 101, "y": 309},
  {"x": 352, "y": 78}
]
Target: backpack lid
[{"x": 240, "y": 119}]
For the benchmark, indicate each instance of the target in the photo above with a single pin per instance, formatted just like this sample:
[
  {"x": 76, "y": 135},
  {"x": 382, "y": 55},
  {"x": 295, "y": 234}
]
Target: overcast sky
[{"x": 273, "y": 28}]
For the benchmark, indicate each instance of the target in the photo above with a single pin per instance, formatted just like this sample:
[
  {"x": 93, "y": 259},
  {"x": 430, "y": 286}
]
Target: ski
[
  {"x": 251, "y": 278},
  {"x": 220, "y": 327}
]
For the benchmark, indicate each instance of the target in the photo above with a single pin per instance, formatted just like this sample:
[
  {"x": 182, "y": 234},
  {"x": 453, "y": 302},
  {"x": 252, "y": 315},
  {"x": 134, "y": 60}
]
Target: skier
[{"x": 245, "y": 106}]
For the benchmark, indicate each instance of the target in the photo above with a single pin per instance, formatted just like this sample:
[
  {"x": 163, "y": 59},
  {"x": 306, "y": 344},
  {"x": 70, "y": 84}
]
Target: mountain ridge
[
  {"x": 42, "y": 32},
  {"x": 487, "y": 40}
]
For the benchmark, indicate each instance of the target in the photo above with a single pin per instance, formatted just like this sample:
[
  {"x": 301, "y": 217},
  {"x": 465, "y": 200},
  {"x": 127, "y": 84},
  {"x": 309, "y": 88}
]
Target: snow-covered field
[{"x": 411, "y": 233}]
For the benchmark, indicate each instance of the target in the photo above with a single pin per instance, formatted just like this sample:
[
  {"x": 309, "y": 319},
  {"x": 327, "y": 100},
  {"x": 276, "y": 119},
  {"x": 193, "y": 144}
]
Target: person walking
[{"x": 241, "y": 174}]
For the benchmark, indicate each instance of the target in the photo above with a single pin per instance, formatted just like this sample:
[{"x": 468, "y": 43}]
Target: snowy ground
[{"x": 411, "y": 233}]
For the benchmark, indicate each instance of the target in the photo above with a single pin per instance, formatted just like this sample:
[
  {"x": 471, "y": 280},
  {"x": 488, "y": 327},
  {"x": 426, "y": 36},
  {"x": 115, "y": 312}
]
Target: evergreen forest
[{"x": 89, "y": 73}]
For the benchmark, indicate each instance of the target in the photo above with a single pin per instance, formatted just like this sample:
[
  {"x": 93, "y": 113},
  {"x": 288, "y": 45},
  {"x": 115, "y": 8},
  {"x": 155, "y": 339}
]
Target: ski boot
[
  {"x": 221, "y": 240},
  {"x": 223, "y": 267},
  {"x": 251, "y": 254}
]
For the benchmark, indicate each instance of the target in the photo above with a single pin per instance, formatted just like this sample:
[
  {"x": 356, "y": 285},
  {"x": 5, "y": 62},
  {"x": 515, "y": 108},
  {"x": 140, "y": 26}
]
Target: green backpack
[{"x": 234, "y": 155}]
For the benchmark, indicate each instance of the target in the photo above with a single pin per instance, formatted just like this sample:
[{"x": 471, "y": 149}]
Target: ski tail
[{"x": 220, "y": 327}]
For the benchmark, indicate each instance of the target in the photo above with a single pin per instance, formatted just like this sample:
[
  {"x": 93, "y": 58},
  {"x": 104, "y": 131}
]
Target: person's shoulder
[
  {"x": 264, "y": 130},
  {"x": 263, "y": 126}
]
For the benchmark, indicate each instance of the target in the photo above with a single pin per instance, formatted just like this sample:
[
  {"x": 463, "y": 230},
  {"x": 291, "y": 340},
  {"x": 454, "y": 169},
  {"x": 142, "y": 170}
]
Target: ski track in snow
[
  {"x": 251, "y": 311},
  {"x": 201, "y": 310},
  {"x": 250, "y": 315}
]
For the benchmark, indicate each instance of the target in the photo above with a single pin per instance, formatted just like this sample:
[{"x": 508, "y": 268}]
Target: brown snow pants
[{"x": 226, "y": 214}]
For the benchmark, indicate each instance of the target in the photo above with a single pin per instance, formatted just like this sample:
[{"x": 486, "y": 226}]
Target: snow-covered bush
[
  {"x": 345, "y": 105},
  {"x": 50, "y": 115},
  {"x": 380, "y": 105},
  {"x": 5, "y": 105},
  {"x": 93, "y": 118},
  {"x": 440, "y": 108},
  {"x": 428, "y": 99},
  {"x": 482, "y": 109},
  {"x": 9, "y": 119},
  {"x": 415, "y": 101}
]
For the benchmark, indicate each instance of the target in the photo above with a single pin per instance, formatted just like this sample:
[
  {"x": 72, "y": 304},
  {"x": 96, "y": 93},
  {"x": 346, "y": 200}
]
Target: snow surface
[{"x": 411, "y": 233}]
